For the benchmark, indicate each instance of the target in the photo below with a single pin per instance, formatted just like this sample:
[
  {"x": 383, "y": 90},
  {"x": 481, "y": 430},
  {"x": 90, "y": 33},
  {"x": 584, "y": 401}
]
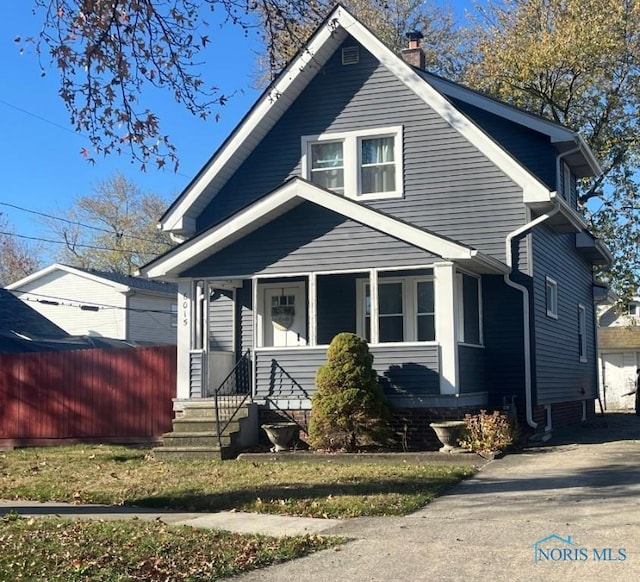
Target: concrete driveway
[{"x": 579, "y": 496}]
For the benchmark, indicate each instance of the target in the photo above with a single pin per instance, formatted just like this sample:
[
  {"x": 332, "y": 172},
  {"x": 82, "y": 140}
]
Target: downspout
[
  {"x": 524, "y": 229},
  {"x": 518, "y": 232}
]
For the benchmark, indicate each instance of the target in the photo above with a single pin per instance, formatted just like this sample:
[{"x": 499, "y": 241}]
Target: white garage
[{"x": 618, "y": 378}]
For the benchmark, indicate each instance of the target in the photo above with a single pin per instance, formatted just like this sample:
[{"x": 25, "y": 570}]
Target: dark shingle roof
[
  {"x": 134, "y": 282},
  {"x": 17, "y": 316}
]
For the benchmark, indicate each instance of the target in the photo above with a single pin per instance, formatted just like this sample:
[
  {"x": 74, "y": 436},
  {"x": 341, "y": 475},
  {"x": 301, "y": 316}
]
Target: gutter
[{"x": 525, "y": 229}]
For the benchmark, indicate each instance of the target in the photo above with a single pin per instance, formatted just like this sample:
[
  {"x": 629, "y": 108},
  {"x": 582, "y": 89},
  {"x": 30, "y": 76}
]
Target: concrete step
[
  {"x": 203, "y": 425},
  {"x": 207, "y": 409},
  {"x": 195, "y": 439}
]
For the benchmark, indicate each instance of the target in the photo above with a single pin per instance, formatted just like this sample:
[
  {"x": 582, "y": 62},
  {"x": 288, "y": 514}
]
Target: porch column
[
  {"x": 446, "y": 325},
  {"x": 183, "y": 336},
  {"x": 373, "y": 306},
  {"x": 313, "y": 310}
]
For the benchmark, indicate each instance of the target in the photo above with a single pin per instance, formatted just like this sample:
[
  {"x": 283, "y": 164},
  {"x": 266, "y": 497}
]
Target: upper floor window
[
  {"x": 632, "y": 309},
  {"x": 552, "y": 298},
  {"x": 363, "y": 164}
]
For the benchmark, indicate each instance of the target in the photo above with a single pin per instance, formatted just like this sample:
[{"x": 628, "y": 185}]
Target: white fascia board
[
  {"x": 280, "y": 201},
  {"x": 67, "y": 269},
  {"x": 593, "y": 162},
  {"x": 270, "y": 107}
]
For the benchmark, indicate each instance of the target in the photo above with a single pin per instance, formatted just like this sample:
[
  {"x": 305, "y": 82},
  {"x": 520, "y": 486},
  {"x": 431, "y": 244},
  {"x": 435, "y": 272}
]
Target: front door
[{"x": 285, "y": 315}]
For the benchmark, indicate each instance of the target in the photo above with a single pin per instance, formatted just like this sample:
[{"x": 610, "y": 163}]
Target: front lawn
[
  {"x": 52, "y": 549},
  {"x": 119, "y": 475}
]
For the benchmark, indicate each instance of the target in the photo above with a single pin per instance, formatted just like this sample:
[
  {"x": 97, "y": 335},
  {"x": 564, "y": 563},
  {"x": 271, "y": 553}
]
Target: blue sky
[{"x": 42, "y": 168}]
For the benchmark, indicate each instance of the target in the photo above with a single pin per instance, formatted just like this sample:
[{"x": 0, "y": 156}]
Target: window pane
[
  {"x": 426, "y": 328},
  {"x": 391, "y": 328},
  {"x": 390, "y": 298},
  {"x": 329, "y": 179},
  {"x": 378, "y": 179},
  {"x": 425, "y": 297},
  {"x": 377, "y": 150},
  {"x": 471, "y": 310},
  {"x": 326, "y": 155}
]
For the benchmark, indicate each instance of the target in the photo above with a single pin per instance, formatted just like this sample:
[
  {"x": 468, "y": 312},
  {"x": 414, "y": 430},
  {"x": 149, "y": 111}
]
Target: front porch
[{"x": 423, "y": 325}]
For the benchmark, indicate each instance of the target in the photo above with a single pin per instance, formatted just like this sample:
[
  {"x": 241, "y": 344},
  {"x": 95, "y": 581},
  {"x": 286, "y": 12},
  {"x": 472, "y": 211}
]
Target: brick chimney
[{"x": 414, "y": 54}]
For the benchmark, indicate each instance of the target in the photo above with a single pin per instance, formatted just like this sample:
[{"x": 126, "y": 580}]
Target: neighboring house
[
  {"x": 619, "y": 353},
  {"x": 363, "y": 194},
  {"x": 98, "y": 303}
]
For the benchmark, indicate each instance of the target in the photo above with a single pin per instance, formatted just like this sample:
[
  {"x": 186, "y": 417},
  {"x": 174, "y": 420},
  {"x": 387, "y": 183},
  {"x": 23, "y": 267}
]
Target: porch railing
[{"x": 234, "y": 391}]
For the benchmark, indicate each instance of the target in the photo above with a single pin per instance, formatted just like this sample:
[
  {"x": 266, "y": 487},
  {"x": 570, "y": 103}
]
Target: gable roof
[
  {"x": 294, "y": 192},
  {"x": 181, "y": 215},
  {"x": 118, "y": 281}
]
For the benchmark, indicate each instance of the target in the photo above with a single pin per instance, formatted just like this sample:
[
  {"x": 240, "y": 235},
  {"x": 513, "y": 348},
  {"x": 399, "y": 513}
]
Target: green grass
[
  {"x": 52, "y": 549},
  {"x": 129, "y": 476}
]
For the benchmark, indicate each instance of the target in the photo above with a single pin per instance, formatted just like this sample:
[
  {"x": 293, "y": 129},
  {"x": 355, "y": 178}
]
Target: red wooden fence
[{"x": 113, "y": 395}]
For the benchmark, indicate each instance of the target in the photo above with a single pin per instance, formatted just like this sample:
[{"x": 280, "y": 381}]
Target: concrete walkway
[{"x": 584, "y": 485}]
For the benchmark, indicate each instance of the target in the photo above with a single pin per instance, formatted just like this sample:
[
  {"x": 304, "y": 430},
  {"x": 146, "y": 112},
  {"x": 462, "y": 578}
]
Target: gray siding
[
  {"x": 532, "y": 149},
  {"x": 471, "y": 366},
  {"x": 309, "y": 238},
  {"x": 450, "y": 187},
  {"x": 221, "y": 312},
  {"x": 560, "y": 376},
  {"x": 403, "y": 371},
  {"x": 502, "y": 330}
]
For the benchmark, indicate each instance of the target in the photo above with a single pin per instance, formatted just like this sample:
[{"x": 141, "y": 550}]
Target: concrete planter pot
[
  {"x": 281, "y": 434},
  {"x": 448, "y": 433}
]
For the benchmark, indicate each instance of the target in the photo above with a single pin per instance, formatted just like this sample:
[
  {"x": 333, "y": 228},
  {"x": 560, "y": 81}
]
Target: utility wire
[
  {"x": 51, "y": 299},
  {"x": 59, "y": 242},
  {"x": 132, "y": 236}
]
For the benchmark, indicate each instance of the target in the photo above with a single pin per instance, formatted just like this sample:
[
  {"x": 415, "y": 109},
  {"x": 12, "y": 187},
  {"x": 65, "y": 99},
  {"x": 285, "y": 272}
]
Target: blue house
[{"x": 362, "y": 193}]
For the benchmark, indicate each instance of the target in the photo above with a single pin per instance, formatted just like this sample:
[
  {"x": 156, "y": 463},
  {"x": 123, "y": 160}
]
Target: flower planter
[
  {"x": 448, "y": 433},
  {"x": 280, "y": 434}
]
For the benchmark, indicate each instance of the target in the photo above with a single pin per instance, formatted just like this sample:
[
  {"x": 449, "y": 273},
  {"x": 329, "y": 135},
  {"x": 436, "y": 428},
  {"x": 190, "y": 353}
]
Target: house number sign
[{"x": 184, "y": 305}]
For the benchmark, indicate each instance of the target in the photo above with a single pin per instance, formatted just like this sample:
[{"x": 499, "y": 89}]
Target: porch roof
[{"x": 292, "y": 193}]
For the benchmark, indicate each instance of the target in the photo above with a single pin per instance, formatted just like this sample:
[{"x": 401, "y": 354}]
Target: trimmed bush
[{"x": 349, "y": 409}]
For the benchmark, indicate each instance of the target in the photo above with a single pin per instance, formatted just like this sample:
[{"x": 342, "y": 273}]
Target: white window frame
[
  {"x": 552, "y": 306},
  {"x": 352, "y": 159},
  {"x": 582, "y": 332},
  {"x": 459, "y": 292},
  {"x": 409, "y": 304},
  {"x": 173, "y": 314},
  {"x": 632, "y": 308}
]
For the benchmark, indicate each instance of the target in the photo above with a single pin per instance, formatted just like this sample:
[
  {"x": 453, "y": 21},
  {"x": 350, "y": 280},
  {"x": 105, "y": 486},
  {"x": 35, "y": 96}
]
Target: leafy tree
[
  {"x": 112, "y": 229},
  {"x": 18, "y": 258},
  {"x": 576, "y": 62},
  {"x": 349, "y": 408}
]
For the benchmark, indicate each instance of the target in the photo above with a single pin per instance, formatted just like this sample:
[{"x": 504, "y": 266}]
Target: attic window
[{"x": 350, "y": 55}]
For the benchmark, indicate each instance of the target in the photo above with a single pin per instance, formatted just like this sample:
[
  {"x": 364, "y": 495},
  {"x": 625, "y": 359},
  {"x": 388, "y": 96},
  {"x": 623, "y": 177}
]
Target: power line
[
  {"x": 84, "y": 305},
  {"x": 74, "y": 222},
  {"x": 59, "y": 242}
]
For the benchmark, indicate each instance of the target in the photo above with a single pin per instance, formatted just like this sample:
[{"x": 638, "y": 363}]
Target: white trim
[
  {"x": 184, "y": 338},
  {"x": 256, "y": 322},
  {"x": 275, "y": 101},
  {"x": 352, "y": 159},
  {"x": 551, "y": 284},
  {"x": 289, "y": 195},
  {"x": 301, "y": 293},
  {"x": 363, "y": 270},
  {"x": 312, "y": 291},
  {"x": 374, "y": 328},
  {"x": 445, "y": 290}
]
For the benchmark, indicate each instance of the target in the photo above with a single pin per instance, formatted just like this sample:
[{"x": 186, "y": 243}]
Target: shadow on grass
[{"x": 192, "y": 500}]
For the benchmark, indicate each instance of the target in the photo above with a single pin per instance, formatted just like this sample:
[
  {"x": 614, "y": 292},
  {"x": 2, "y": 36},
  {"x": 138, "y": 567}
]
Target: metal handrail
[{"x": 240, "y": 388}]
